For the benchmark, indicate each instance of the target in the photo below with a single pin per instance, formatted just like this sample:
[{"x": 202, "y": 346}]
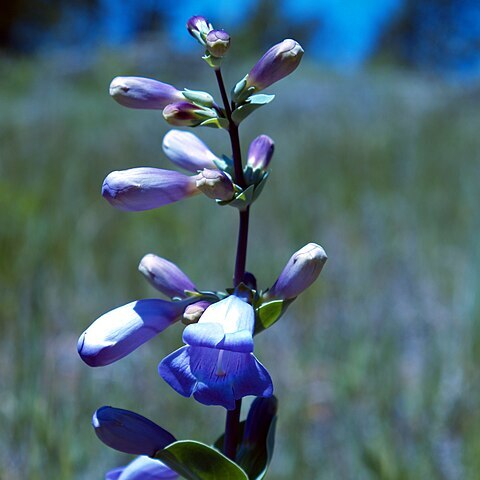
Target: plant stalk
[{"x": 232, "y": 422}]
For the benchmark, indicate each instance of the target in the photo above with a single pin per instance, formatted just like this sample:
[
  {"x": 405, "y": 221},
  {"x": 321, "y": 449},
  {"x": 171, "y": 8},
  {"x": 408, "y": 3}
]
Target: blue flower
[
  {"x": 217, "y": 365},
  {"x": 143, "y": 468}
]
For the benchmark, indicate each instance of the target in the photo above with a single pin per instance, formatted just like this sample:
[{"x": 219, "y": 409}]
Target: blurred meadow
[{"x": 375, "y": 366}]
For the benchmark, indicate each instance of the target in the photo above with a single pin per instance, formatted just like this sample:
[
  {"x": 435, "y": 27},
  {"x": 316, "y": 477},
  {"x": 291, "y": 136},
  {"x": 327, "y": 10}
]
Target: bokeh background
[{"x": 377, "y": 159}]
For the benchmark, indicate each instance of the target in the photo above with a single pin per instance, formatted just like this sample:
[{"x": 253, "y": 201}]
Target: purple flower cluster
[{"x": 216, "y": 365}]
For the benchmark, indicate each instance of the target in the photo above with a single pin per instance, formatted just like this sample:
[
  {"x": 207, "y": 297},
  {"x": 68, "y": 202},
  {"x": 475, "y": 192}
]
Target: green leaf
[
  {"x": 197, "y": 461},
  {"x": 250, "y": 105},
  {"x": 268, "y": 313}
]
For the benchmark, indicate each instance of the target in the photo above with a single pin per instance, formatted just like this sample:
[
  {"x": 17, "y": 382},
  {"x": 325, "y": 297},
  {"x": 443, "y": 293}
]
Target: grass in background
[{"x": 376, "y": 366}]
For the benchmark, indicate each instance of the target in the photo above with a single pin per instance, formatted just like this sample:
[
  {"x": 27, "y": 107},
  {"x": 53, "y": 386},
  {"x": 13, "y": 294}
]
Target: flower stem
[
  {"x": 233, "y": 416},
  {"x": 231, "y": 431},
  {"x": 233, "y": 132}
]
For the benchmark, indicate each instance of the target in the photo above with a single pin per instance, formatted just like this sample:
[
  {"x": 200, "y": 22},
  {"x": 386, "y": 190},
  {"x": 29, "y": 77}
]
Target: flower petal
[
  {"x": 215, "y": 377},
  {"x": 175, "y": 370},
  {"x": 212, "y": 335},
  {"x": 232, "y": 313}
]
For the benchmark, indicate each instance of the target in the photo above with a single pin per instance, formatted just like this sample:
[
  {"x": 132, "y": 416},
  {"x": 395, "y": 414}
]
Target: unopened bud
[
  {"x": 165, "y": 276},
  {"x": 185, "y": 114},
  {"x": 215, "y": 184},
  {"x": 130, "y": 432},
  {"x": 278, "y": 62},
  {"x": 187, "y": 151},
  {"x": 145, "y": 188},
  {"x": 139, "y": 92},
  {"x": 217, "y": 43},
  {"x": 199, "y": 27},
  {"x": 260, "y": 152},
  {"x": 301, "y": 271}
]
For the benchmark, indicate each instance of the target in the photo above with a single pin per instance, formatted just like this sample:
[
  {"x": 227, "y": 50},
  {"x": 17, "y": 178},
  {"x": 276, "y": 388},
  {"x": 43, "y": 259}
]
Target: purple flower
[
  {"x": 260, "y": 152},
  {"x": 144, "y": 188},
  {"x": 186, "y": 114},
  {"x": 120, "y": 331},
  {"x": 143, "y": 468},
  {"x": 199, "y": 27},
  {"x": 217, "y": 43},
  {"x": 129, "y": 432},
  {"x": 215, "y": 184},
  {"x": 217, "y": 365},
  {"x": 165, "y": 276},
  {"x": 139, "y": 92},
  {"x": 278, "y": 62},
  {"x": 301, "y": 271},
  {"x": 187, "y": 151}
]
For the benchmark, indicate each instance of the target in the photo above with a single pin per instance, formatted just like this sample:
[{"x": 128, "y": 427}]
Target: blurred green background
[{"x": 375, "y": 366}]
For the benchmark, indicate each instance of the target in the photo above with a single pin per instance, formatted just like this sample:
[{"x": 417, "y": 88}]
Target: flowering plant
[{"x": 217, "y": 365}]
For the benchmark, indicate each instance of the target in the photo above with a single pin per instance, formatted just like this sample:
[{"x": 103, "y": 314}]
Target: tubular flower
[
  {"x": 120, "y": 331},
  {"x": 165, "y": 276},
  {"x": 143, "y": 468},
  {"x": 145, "y": 188},
  {"x": 145, "y": 93},
  {"x": 129, "y": 432},
  {"x": 300, "y": 272},
  {"x": 187, "y": 151},
  {"x": 217, "y": 365}
]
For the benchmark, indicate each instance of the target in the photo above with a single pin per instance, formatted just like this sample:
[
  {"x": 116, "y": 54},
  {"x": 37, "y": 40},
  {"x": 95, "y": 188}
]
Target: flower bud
[
  {"x": 278, "y": 62},
  {"x": 199, "y": 27},
  {"x": 144, "y": 188},
  {"x": 122, "y": 330},
  {"x": 139, "y": 92},
  {"x": 130, "y": 432},
  {"x": 217, "y": 43},
  {"x": 215, "y": 184},
  {"x": 165, "y": 276},
  {"x": 187, "y": 151},
  {"x": 301, "y": 271},
  {"x": 260, "y": 152},
  {"x": 194, "y": 311},
  {"x": 186, "y": 114}
]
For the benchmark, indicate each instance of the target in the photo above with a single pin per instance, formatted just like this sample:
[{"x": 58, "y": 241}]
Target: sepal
[{"x": 251, "y": 104}]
